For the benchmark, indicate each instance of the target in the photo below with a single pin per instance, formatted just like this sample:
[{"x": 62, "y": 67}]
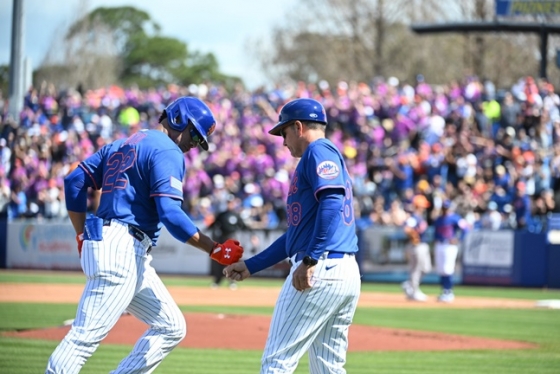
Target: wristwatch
[{"x": 309, "y": 261}]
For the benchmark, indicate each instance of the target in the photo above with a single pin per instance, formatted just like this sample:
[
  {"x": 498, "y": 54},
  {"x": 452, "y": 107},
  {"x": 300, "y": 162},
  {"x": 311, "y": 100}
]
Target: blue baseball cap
[
  {"x": 191, "y": 109},
  {"x": 307, "y": 110}
]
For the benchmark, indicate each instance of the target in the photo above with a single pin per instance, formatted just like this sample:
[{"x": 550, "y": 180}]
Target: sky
[{"x": 222, "y": 27}]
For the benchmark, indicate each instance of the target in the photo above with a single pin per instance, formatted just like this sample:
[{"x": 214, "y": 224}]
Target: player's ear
[{"x": 298, "y": 127}]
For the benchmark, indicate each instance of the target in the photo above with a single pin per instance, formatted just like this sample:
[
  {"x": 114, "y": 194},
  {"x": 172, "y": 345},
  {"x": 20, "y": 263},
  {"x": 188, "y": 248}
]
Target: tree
[
  {"x": 84, "y": 55},
  {"x": 153, "y": 60},
  {"x": 343, "y": 39},
  {"x": 356, "y": 40},
  {"x": 123, "y": 44},
  {"x": 125, "y": 23}
]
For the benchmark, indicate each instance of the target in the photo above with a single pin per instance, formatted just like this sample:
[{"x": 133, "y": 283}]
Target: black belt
[
  {"x": 331, "y": 254},
  {"x": 132, "y": 230}
]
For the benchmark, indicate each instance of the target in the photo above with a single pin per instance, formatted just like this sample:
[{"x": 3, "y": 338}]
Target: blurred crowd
[{"x": 495, "y": 153}]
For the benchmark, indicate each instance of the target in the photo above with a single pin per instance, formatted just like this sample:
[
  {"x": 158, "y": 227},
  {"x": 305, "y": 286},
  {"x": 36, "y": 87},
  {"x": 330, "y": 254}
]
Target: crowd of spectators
[{"x": 494, "y": 152}]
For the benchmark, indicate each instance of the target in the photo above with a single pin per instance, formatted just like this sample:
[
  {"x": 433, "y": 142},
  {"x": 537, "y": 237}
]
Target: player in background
[
  {"x": 225, "y": 225},
  {"x": 418, "y": 252},
  {"x": 140, "y": 179},
  {"x": 450, "y": 228},
  {"x": 319, "y": 297}
]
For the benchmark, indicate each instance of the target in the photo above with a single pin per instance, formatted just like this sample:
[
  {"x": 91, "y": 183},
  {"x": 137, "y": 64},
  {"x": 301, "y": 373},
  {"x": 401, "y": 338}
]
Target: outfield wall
[
  {"x": 486, "y": 257},
  {"x": 31, "y": 244}
]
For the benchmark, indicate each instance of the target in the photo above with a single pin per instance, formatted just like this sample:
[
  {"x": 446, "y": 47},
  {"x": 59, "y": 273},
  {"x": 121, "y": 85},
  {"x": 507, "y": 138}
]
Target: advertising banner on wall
[
  {"x": 52, "y": 246},
  {"x": 33, "y": 245},
  {"x": 488, "y": 257},
  {"x": 172, "y": 257},
  {"x": 527, "y": 7}
]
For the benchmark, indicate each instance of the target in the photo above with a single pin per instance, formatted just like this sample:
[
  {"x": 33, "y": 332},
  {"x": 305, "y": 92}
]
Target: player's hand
[
  {"x": 237, "y": 271},
  {"x": 80, "y": 241},
  {"x": 301, "y": 279},
  {"x": 227, "y": 253}
]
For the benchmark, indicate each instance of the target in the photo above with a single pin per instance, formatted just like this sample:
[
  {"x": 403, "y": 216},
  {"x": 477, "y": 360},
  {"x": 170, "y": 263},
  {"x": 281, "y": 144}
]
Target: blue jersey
[
  {"x": 321, "y": 167},
  {"x": 522, "y": 208},
  {"x": 131, "y": 172},
  {"x": 447, "y": 226}
]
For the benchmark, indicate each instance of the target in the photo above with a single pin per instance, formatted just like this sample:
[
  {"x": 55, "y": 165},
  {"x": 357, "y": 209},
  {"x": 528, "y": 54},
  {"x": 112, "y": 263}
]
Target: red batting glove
[
  {"x": 227, "y": 253},
  {"x": 80, "y": 241}
]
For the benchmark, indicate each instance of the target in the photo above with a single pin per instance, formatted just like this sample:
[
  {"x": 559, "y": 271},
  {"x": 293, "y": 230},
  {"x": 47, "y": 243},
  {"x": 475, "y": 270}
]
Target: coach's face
[{"x": 291, "y": 134}]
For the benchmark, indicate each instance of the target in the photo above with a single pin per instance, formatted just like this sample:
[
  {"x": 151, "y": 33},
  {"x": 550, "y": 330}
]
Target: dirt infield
[
  {"x": 205, "y": 330},
  {"x": 243, "y": 296}
]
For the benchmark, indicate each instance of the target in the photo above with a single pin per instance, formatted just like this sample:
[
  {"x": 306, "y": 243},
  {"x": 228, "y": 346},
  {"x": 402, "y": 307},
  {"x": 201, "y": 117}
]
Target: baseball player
[
  {"x": 418, "y": 251},
  {"x": 449, "y": 229},
  {"x": 140, "y": 179},
  {"x": 317, "y": 302}
]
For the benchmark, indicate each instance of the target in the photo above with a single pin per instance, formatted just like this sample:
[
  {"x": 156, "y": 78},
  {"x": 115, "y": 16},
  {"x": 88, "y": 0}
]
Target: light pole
[{"x": 16, "y": 90}]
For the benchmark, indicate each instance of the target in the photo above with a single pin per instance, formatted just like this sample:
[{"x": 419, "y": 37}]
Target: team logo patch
[
  {"x": 328, "y": 170},
  {"x": 176, "y": 184}
]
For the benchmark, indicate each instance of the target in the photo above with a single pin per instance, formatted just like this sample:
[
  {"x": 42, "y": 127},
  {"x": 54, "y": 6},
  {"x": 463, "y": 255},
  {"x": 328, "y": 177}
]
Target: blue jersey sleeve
[
  {"x": 89, "y": 173},
  {"x": 324, "y": 167},
  {"x": 275, "y": 253},
  {"x": 328, "y": 218},
  {"x": 75, "y": 190},
  {"x": 166, "y": 174},
  {"x": 94, "y": 164},
  {"x": 174, "y": 218}
]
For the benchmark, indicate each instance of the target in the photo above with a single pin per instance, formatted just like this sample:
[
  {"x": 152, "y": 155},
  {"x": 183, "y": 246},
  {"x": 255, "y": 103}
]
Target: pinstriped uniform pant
[
  {"x": 316, "y": 320},
  {"x": 445, "y": 256},
  {"x": 420, "y": 263},
  {"x": 119, "y": 278}
]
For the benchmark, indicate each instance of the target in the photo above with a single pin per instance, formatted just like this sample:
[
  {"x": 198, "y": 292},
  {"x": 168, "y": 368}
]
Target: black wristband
[{"x": 309, "y": 261}]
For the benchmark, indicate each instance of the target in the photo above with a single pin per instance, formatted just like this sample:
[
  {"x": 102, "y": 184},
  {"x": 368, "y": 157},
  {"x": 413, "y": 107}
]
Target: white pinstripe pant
[
  {"x": 316, "y": 320},
  {"x": 119, "y": 278},
  {"x": 445, "y": 256}
]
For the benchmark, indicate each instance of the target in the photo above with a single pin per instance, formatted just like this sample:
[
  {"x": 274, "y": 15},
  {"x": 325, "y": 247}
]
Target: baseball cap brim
[{"x": 276, "y": 130}]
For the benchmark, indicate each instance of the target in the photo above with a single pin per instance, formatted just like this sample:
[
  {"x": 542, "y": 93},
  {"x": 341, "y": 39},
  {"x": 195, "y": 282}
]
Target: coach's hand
[
  {"x": 237, "y": 271},
  {"x": 227, "y": 253},
  {"x": 80, "y": 241},
  {"x": 301, "y": 278}
]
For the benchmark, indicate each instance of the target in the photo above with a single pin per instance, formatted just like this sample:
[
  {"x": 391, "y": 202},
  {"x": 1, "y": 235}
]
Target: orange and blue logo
[
  {"x": 25, "y": 236},
  {"x": 211, "y": 129},
  {"x": 328, "y": 170}
]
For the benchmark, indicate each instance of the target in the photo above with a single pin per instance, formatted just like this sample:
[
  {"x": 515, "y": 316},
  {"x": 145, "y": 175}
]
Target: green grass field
[{"x": 538, "y": 326}]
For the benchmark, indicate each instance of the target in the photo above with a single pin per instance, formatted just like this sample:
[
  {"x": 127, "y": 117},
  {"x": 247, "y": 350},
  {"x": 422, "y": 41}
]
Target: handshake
[
  {"x": 227, "y": 252},
  {"x": 230, "y": 253}
]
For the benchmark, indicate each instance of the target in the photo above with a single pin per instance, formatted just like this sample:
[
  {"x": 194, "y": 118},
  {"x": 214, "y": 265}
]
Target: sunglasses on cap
[{"x": 195, "y": 136}]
